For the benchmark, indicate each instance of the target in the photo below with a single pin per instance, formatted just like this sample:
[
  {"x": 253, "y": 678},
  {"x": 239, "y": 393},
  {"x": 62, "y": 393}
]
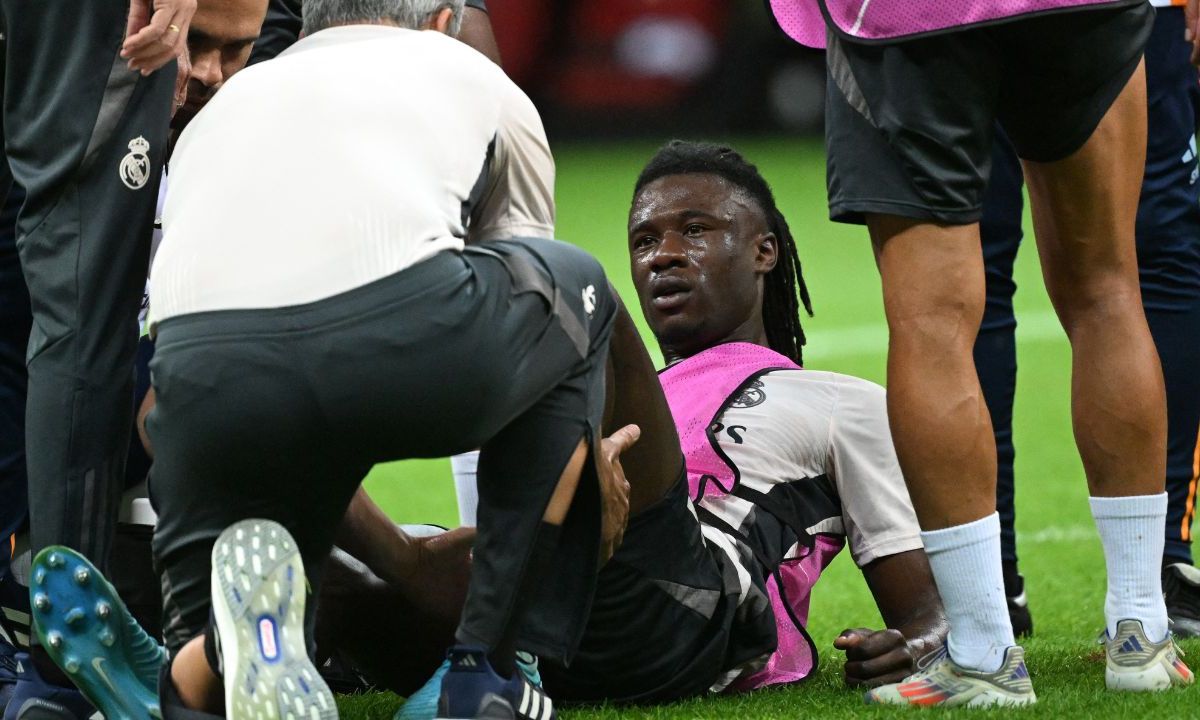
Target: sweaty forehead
[{"x": 672, "y": 195}]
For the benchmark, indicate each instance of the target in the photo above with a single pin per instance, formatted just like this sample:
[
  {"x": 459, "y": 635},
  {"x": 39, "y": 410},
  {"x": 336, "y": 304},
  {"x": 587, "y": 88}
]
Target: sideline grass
[{"x": 1060, "y": 553}]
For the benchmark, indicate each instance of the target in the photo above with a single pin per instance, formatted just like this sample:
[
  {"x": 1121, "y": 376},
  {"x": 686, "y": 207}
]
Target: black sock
[
  {"x": 211, "y": 652},
  {"x": 503, "y": 654},
  {"x": 47, "y": 669}
]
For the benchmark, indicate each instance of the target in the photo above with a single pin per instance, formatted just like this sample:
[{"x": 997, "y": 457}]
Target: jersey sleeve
[
  {"x": 876, "y": 509},
  {"x": 518, "y": 196}
]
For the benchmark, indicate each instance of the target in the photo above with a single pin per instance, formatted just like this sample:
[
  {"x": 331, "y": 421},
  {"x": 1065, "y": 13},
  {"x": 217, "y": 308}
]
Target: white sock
[
  {"x": 1131, "y": 531},
  {"x": 966, "y": 565},
  {"x": 464, "y": 467}
]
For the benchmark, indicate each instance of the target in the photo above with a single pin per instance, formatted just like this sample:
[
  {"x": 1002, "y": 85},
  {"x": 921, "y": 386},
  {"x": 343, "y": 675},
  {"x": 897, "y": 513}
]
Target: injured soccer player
[{"x": 710, "y": 588}]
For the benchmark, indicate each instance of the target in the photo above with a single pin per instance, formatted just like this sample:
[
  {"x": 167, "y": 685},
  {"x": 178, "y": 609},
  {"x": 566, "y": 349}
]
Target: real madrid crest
[{"x": 135, "y": 167}]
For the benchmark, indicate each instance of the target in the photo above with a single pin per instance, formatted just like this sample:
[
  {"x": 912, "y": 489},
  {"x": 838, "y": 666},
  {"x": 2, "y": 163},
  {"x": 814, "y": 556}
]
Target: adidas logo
[
  {"x": 468, "y": 661},
  {"x": 1189, "y": 157},
  {"x": 1020, "y": 673},
  {"x": 534, "y": 704},
  {"x": 1131, "y": 645}
]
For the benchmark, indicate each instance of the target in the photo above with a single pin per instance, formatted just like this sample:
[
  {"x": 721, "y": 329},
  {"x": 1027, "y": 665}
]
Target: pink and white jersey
[
  {"x": 805, "y": 21},
  {"x": 752, "y": 423}
]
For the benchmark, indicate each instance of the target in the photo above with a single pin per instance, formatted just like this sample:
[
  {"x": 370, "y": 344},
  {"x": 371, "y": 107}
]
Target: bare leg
[
  {"x": 1083, "y": 211},
  {"x": 933, "y": 293},
  {"x": 636, "y": 397}
]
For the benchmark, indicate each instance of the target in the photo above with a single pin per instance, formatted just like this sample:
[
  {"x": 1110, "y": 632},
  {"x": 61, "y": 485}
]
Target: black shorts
[
  {"x": 910, "y": 125},
  {"x": 665, "y": 622},
  {"x": 279, "y": 414}
]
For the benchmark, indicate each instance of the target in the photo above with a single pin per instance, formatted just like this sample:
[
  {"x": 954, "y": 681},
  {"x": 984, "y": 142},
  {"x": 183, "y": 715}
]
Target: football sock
[
  {"x": 1131, "y": 531},
  {"x": 465, "y": 467},
  {"x": 966, "y": 565},
  {"x": 503, "y": 655}
]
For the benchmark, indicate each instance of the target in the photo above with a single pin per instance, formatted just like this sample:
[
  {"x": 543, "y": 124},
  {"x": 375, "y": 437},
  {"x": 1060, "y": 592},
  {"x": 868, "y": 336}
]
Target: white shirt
[
  {"x": 358, "y": 152},
  {"x": 791, "y": 425}
]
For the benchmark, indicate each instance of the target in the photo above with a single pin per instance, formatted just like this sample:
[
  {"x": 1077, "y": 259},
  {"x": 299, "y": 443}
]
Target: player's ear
[
  {"x": 767, "y": 253},
  {"x": 441, "y": 21}
]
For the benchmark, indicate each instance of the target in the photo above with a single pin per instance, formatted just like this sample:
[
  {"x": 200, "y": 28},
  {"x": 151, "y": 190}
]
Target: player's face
[
  {"x": 220, "y": 39},
  {"x": 694, "y": 254}
]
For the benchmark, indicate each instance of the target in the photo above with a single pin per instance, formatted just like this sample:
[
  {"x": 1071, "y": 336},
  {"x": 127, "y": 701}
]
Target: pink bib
[
  {"x": 698, "y": 390},
  {"x": 805, "y": 23}
]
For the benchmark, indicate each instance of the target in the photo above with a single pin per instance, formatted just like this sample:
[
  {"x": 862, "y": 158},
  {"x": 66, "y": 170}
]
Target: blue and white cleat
[
  {"x": 87, "y": 631},
  {"x": 258, "y": 593},
  {"x": 423, "y": 704},
  {"x": 472, "y": 689}
]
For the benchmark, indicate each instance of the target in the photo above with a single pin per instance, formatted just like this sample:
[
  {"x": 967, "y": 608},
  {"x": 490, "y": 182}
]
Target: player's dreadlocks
[{"x": 781, "y": 311}]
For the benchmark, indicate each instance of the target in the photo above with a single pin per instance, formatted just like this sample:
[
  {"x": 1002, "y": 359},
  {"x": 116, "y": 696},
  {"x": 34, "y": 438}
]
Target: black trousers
[
  {"x": 280, "y": 413},
  {"x": 85, "y": 138}
]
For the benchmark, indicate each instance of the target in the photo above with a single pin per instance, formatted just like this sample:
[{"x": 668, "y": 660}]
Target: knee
[
  {"x": 1103, "y": 297},
  {"x": 943, "y": 319}
]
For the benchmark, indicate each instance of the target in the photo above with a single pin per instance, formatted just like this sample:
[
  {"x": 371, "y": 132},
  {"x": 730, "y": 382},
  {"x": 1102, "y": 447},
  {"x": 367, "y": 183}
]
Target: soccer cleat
[
  {"x": 35, "y": 699},
  {"x": 258, "y": 593},
  {"x": 470, "y": 688},
  {"x": 943, "y": 682},
  {"x": 1181, "y": 591},
  {"x": 1134, "y": 663},
  {"x": 423, "y": 704},
  {"x": 1018, "y": 604},
  {"x": 88, "y": 632}
]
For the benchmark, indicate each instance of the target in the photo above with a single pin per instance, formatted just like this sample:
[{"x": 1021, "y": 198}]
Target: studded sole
[
  {"x": 258, "y": 591},
  {"x": 82, "y": 624}
]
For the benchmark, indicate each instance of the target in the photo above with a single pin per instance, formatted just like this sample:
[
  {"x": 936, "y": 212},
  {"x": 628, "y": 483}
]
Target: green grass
[{"x": 1060, "y": 552}]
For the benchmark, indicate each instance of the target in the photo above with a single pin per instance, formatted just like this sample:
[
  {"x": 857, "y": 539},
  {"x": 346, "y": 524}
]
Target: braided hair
[{"x": 785, "y": 282}]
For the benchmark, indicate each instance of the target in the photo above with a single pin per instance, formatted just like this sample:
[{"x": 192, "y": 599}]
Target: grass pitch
[{"x": 1060, "y": 552}]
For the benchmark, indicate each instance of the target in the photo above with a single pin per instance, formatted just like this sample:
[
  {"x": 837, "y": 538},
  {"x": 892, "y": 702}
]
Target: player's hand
[
  {"x": 156, "y": 32},
  {"x": 183, "y": 73},
  {"x": 877, "y": 657},
  {"x": 614, "y": 489},
  {"x": 1191, "y": 32}
]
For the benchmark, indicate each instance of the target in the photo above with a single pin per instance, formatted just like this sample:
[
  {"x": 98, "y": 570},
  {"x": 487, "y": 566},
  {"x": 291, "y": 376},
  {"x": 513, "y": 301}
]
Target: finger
[
  {"x": 850, "y": 637},
  {"x": 149, "y": 63},
  {"x": 152, "y": 34},
  {"x": 139, "y": 16},
  {"x": 877, "y": 644},
  {"x": 623, "y": 439},
  {"x": 898, "y": 661}
]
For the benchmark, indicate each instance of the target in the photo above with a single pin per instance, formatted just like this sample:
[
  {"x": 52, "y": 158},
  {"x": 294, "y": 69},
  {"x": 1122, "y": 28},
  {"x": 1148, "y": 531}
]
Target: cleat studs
[
  {"x": 71, "y": 665},
  {"x": 103, "y": 610},
  {"x": 41, "y": 601},
  {"x": 107, "y": 639},
  {"x": 82, "y": 576},
  {"x": 54, "y": 560},
  {"x": 74, "y": 616},
  {"x": 55, "y": 639},
  {"x": 39, "y": 577}
]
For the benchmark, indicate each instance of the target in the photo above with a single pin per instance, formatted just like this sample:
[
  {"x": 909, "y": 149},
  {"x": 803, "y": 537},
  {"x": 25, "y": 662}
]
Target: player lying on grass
[
  {"x": 809, "y": 461},
  {"x": 685, "y": 607},
  {"x": 783, "y": 465}
]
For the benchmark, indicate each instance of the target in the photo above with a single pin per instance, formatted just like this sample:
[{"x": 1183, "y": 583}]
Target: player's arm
[
  {"x": 912, "y": 610},
  {"x": 885, "y": 540},
  {"x": 518, "y": 192}
]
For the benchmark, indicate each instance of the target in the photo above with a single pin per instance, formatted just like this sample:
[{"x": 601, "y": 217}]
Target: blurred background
[{"x": 623, "y": 68}]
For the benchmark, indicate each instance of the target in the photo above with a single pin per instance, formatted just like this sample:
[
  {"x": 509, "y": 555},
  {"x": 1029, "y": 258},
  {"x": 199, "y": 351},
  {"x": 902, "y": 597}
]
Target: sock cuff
[
  {"x": 1130, "y": 506},
  {"x": 957, "y": 536}
]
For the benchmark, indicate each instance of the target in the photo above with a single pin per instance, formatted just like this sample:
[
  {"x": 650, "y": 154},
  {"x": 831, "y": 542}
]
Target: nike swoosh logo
[{"x": 98, "y": 664}]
